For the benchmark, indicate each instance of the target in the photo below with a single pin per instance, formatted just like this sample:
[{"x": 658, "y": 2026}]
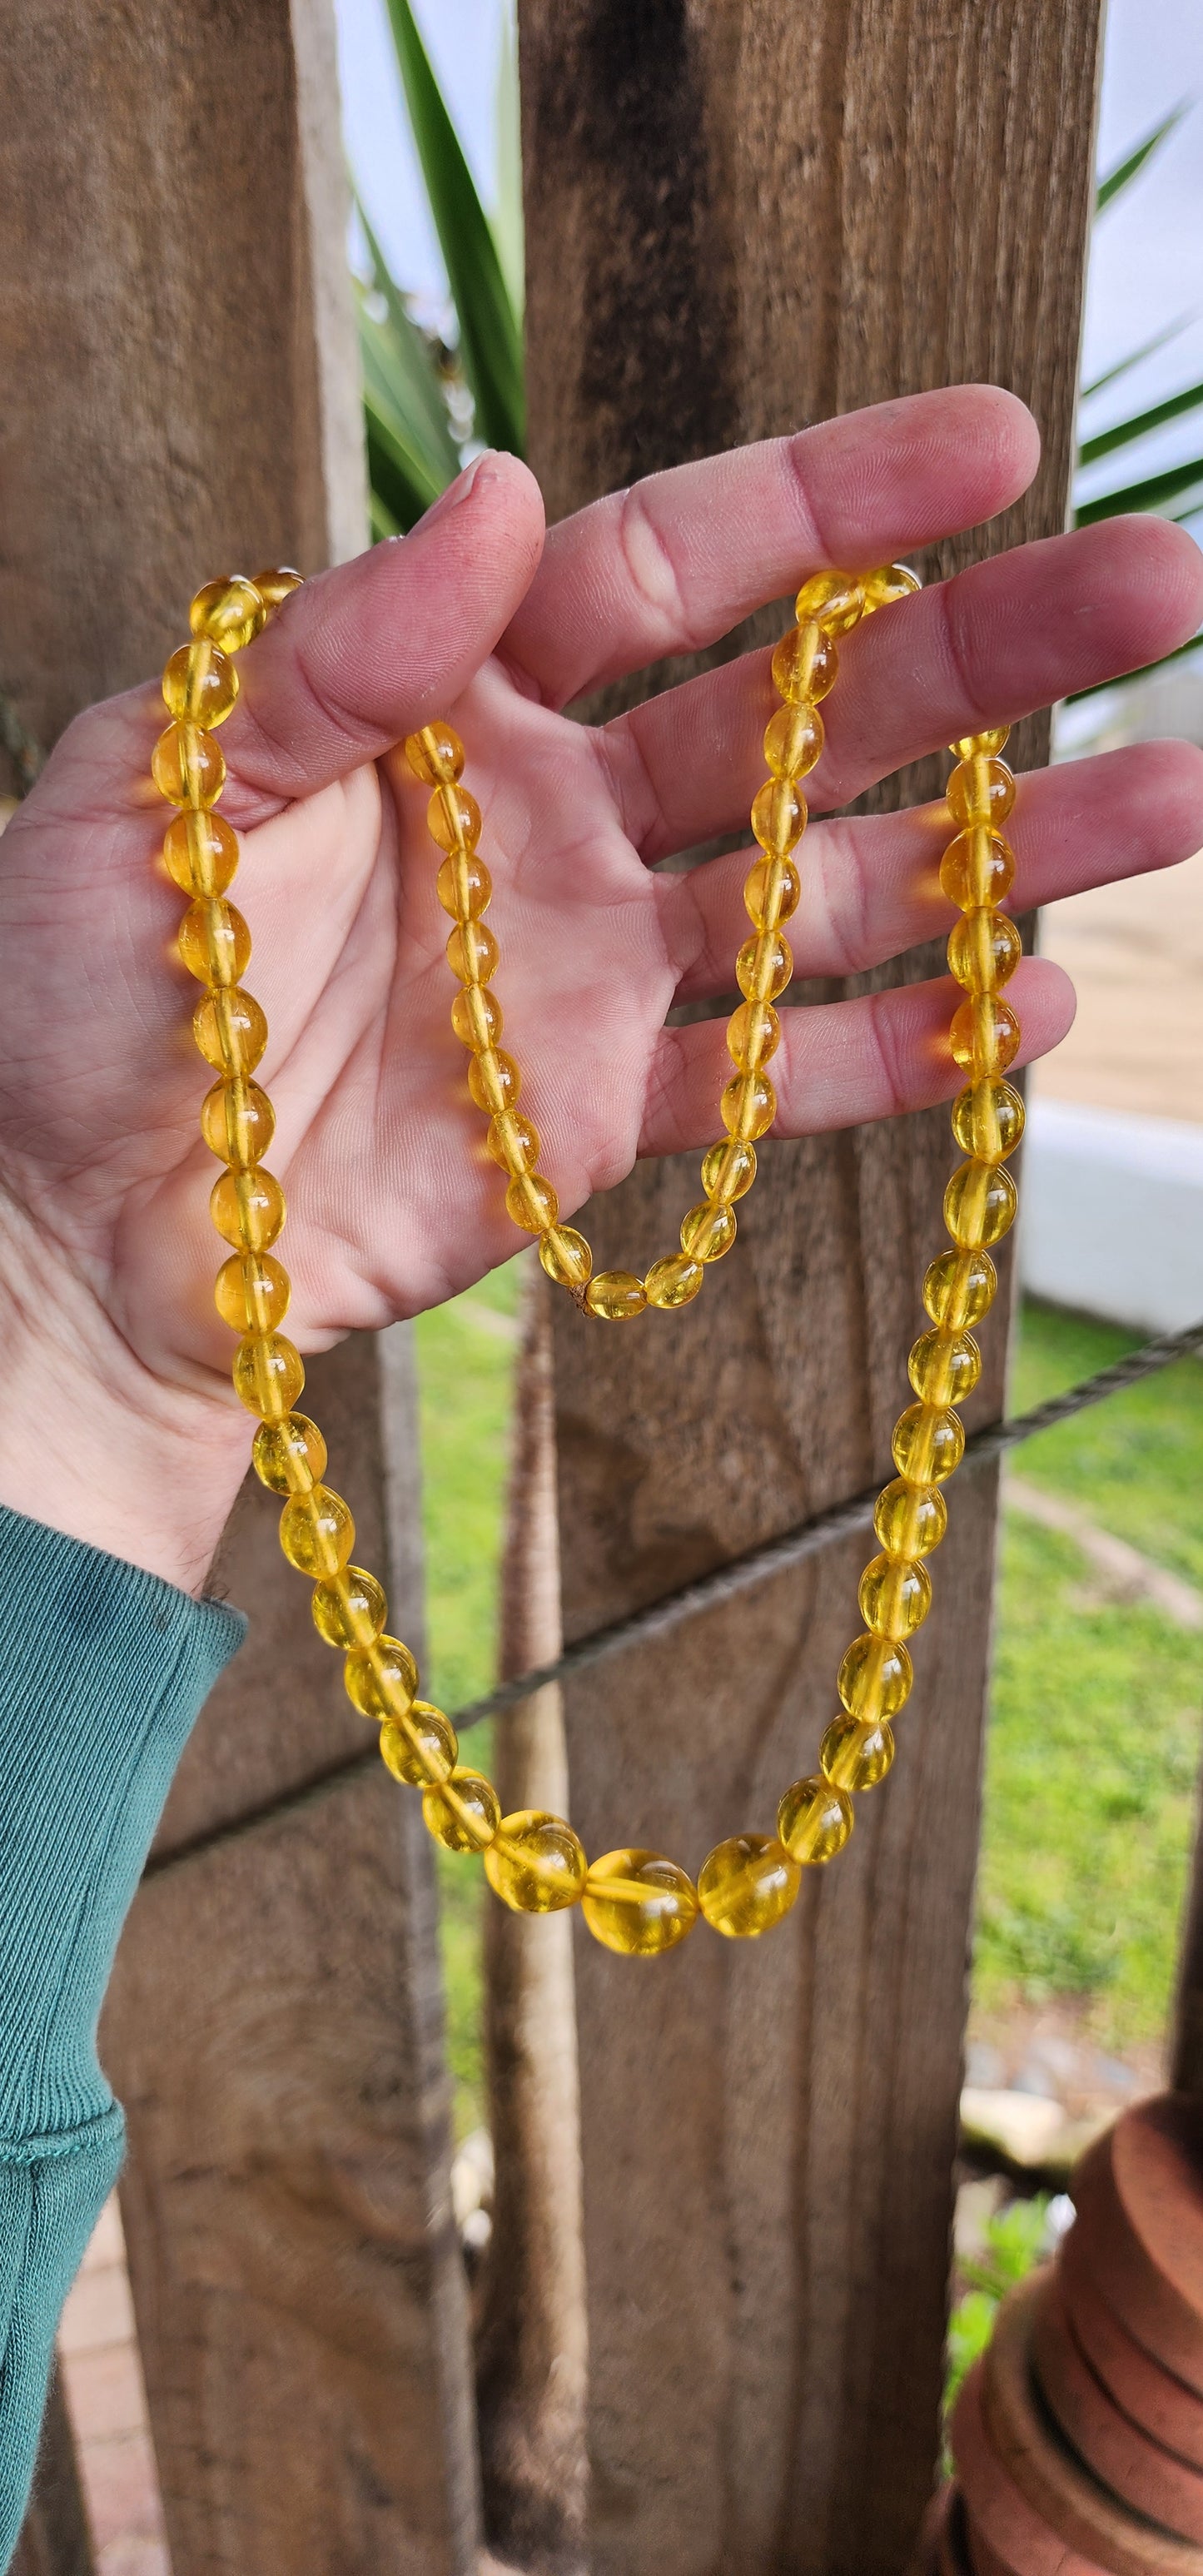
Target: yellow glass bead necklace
[{"x": 634, "y": 1901}]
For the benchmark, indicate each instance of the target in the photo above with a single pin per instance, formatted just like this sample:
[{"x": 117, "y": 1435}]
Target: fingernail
[{"x": 454, "y": 494}]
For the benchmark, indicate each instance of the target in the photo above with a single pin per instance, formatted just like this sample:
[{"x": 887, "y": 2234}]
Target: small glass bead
[
  {"x": 276, "y": 583},
  {"x": 793, "y": 741},
  {"x": 888, "y": 583},
  {"x": 728, "y": 1168},
  {"x": 200, "y": 684},
  {"x": 836, "y": 599},
  {"x": 874, "y": 1679},
  {"x": 855, "y": 1757},
  {"x": 464, "y": 885},
  {"x": 381, "y": 1680},
  {"x": 213, "y": 941},
  {"x": 187, "y": 766},
  {"x": 673, "y": 1281},
  {"x": 419, "y": 1746},
  {"x": 753, "y": 1035},
  {"x": 748, "y": 1105},
  {"x": 200, "y": 851},
  {"x": 453, "y": 818},
  {"x": 269, "y": 1374},
  {"x": 435, "y": 755},
  {"x": 615, "y": 1295},
  {"x": 959, "y": 1288},
  {"x": 764, "y": 966},
  {"x": 531, "y": 1202},
  {"x": 894, "y": 1596},
  {"x": 980, "y": 1204},
  {"x": 708, "y": 1230},
  {"x": 984, "y": 950},
  {"x": 814, "y": 1821},
  {"x": 772, "y": 892},
  {"x": 512, "y": 1142},
  {"x": 494, "y": 1081},
  {"x": 987, "y": 1119},
  {"x": 566, "y": 1257},
  {"x": 977, "y": 868},
  {"x": 638, "y": 1903},
  {"x": 230, "y": 1030},
  {"x": 252, "y": 1292},
  {"x": 779, "y": 816},
  {"x": 910, "y": 1520},
  {"x": 472, "y": 952},
  {"x": 247, "y": 1209},
  {"x": 980, "y": 789},
  {"x": 349, "y": 1609},
  {"x": 747, "y": 1884},
  {"x": 928, "y": 1444},
  {"x": 536, "y": 1865},
  {"x": 464, "y": 1812},
  {"x": 984, "y": 1036},
  {"x": 230, "y": 612},
  {"x": 968, "y": 745},
  {"x": 805, "y": 665},
  {"x": 943, "y": 1367},
  {"x": 476, "y": 1016},
  {"x": 289, "y": 1456},
  {"x": 237, "y": 1122},
  {"x": 317, "y": 1532}
]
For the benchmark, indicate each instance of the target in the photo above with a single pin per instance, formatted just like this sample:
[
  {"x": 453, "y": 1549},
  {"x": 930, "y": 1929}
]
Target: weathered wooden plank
[{"x": 740, "y": 219}]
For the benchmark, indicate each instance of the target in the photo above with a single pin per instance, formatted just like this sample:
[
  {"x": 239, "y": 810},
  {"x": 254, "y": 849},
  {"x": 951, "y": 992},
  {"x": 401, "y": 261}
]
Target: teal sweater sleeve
[{"x": 102, "y": 1671}]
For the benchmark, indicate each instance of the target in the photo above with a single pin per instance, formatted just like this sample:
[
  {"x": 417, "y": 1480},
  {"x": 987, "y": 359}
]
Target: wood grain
[{"x": 54, "y": 2538}]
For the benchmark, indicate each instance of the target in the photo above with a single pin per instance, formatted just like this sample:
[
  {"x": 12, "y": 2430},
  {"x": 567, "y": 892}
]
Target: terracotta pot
[
  {"x": 1163, "y": 2406},
  {"x": 1135, "y": 2467},
  {"x": 1006, "y": 2535},
  {"x": 1139, "y": 2197}
]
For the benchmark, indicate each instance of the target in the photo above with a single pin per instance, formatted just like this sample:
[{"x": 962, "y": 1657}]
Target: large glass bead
[
  {"x": 566, "y": 1257},
  {"x": 980, "y": 789},
  {"x": 476, "y": 1016},
  {"x": 929, "y": 1442},
  {"x": 944, "y": 1367},
  {"x": 381, "y": 1680},
  {"x": 728, "y": 1169},
  {"x": 615, "y": 1295},
  {"x": 805, "y": 665},
  {"x": 746, "y": 1884},
  {"x": 984, "y": 1036},
  {"x": 512, "y": 1142},
  {"x": 638, "y": 1903},
  {"x": 187, "y": 766},
  {"x": 772, "y": 892},
  {"x": 984, "y": 950},
  {"x": 453, "y": 818},
  {"x": 200, "y": 851},
  {"x": 230, "y": 612},
  {"x": 835, "y": 599},
  {"x": 753, "y": 1035},
  {"x": 977, "y": 868},
  {"x": 237, "y": 1122},
  {"x": 317, "y": 1532},
  {"x": 814, "y": 1820},
  {"x": 889, "y": 583},
  {"x": 252, "y": 1292},
  {"x": 535, "y": 1864},
  {"x": 894, "y": 1596},
  {"x": 435, "y": 755},
  {"x": 214, "y": 941},
  {"x": 959, "y": 1288},
  {"x": 247, "y": 1208},
  {"x": 793, "y": 741},
  {"x": 764, "y": 966},
  {"x": 200, "y": 684},
  {"x": 987, "y": 1119},
  {"x": 979, "y": 1204},
  {"x": 349, "y": 1609},
  {"x": 494, "y": 1081},
  {"x": 531, "y": 1202},
  {"x": 968, "y": 746},
  {"x": 276, "y": 583},
  {"x": 464, "y": 1812},
  {"x": 268, "y": 1374},
  {"x": 230, "y": 1030},
  {"x": 673, "y": 1281},
  {"x": 856, "y": 1757},
  {"x": 748, "y": 1105},
  {"x": 910, "y": 1520},
  {"x": 472, "y": 952},
  {"x": 874, "y": 1679},
  {"x": 708, "y": 1230},
  {"x": 779, "y": 816},
  {"x": 463, "y": 885},
  {"x": 420, "y": 1745},
  {"x": 289, "y": 1456}
]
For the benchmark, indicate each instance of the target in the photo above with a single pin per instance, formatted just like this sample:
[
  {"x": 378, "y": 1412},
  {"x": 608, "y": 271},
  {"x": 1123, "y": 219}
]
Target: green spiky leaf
[
  {"x": 1125, "y": 431},
  {"x": 1125, "y": 171},
  {"x": 1154, "y": 493}
]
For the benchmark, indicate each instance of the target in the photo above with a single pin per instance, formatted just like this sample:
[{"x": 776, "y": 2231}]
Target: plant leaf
[
  {"x": 399, "y": 475},
  {"x": 1152, "y": 494},
  {"x": 1123, "y": 173},
  {"x": 1126, "y": 430},
  {"x": 398, "y": 360},
  {"x": 1136, "y": 357}
]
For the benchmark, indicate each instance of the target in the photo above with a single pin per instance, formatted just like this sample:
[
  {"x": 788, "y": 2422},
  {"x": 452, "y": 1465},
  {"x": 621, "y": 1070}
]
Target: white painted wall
[{"x": 1112, "y": 1215}]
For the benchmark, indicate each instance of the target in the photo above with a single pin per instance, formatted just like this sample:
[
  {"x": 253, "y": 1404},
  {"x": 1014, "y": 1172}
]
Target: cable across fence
[{"x": 737, "y": 1574}]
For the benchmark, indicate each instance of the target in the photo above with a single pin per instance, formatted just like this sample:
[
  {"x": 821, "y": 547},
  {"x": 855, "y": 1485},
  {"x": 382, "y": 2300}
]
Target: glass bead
[
  {"x": 453, "y": 818},
  {"x": 753, "y": 1035},
  {"x": 317, "y": 1532},
  {"x": 779, "y": 816},
  {"x": 615, "y": 1295},
  {"x": 512, "y": 1142},
  {"x": 979, "y": 1204},
  {"x": 943, "y": 1367},
  {"x": 959, "y": 1288},
  {"x": 772, "y": 892},
  {"x": 230, "y": 1030},
  {"x": 764, "y": 966},
  {"x": 747, "y": 1884},
  {"x": 928, "y": 1443},
  {"x": 748, "y": 1105},
  {"x": 419, "y": 1746},
  {"x": 895, "y": 1596},
  {"x": 200, "y": 851},
  {"x": 476, "y": 1016},
  {"x": 464, "y": 1812},
  {"x": 289, "y": 1456},
  {"x": 856, "y": 1757},
  {"x": 247, "y": 1209},
  {"x": 435, "y": 755},
  {"x": 230, "y": 612},
  {"x": 494, "y": 1081},
  {"x": 910, "y": 1520},
  {"x": 793, "y": 741},
  {"x": 638, "y": 1903},
  {"x": 984, "y": 950},
  {"x": 988, "y": 1120},
  {"x": 472, "y": 953},
  {"x": 252, "y": 1292},
  {"x": 349, "y": 1609},
  {"x": 187, "y": 766},
  {"x": 888, "y": 583},
  {"x": 968, "y": 745},
  {"x": 708, "y": 1230},
  {"x": 535, "y": 1864},
  {"x": 814, "y": 1821},
  {"x": 269, "y": 1374},
  {"x": 237, "y": 1122},
  {"x": 835, "y": 599},
  {"x": 977, "y": 868},
  {"x": 381, "y": 1680},
  {"x": 531, "y": 1202},
  {"x": 213, "y": 941},
  {"x": 984, "y": 1036},
  {"x": 874, "y": 1679},
  {"x": 728, "y": 1169},
  {"x": 464, "y": 885},
  {"x": 805, "y": 665},
  {"x": 566, "y": 1257},
  {"x": 276, "y": 583},
  {"x": 980, "y": 790},
  {"x": 673, "y": 1281},
  {"x": 200, "y": 684}
]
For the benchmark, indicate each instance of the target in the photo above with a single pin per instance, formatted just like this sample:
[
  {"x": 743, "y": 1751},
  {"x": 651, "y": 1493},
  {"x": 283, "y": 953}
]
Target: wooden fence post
[{"x": 739, "y": 218}]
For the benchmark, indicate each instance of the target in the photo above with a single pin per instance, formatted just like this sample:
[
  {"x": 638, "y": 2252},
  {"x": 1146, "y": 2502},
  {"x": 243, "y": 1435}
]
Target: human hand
[{"x": 120, "y": 1424}]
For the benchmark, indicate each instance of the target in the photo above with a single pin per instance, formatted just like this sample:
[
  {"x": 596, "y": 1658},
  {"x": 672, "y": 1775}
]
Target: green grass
[{"x": 1135, "y": 1462}]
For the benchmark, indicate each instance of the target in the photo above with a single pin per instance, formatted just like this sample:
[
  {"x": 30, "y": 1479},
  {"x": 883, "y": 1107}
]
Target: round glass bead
[
  {"x": 237, "y": 1122},
  {"x": 638, "y": 1903},
  {"x": 929, "y": 1442},
  {"x": 772, "y": 892},
  {"x": 814, "y": 1820},
  {"x": 793, "y": 741},
  {"x": 615, "y": 1295},
  {"x": 987, "y": 1119},
  {"x": 512, "y": 1142},
  {"x": 453, "y": 818},
  {"x": 748, "y": 1105},
  {"x": 910, "y": 1520},
  {"x": 764, "y": 966},
  {"x": 268, "y": 1374},
  {"x": 349, "y": 1609},
  {"x": 968, "y": 745},
  {"x": 230, "y": 612},
  {"x": 472, "y": 952},
  {"x": 419, "y": 1745},
  {"x": 984, "y": 1036},
  {"x": 894, "y": 1596},
  {"x": 187, "y": 766},
  {"x": 959, "y": 1288},
  {"x": 464, "y": 1812},
  {"x": 276, "y": 583},
  {"x": 289, "y": 1456},
  {"x": 535, "y": 1864},
  {"x": 317, "y": 1532},
  {"x": 856, "y": 1757},
  {"x": 247, "y": 1208},
  {"x": 463, "y": 885},
  {"x": 476, "y": 1016},
  {"x": 531, "y": 1202},
  {"x": 805, "y": 665},
  {"x": 888, "y": 583},
  {"x": 200, "y": 852},
  {"x": 230, "y": 1030},
  {"x": 673, "y": 1281},
  {"x": 979, "y": 1204},
  {"x": 747, "y": 1884},
  {"x": 494, "y": 1081},
  {"x": 874, "y": 1679},
  {"x": 252, "y": 1292},
  {"x": 984, "y": 950},
  {"x": 435, "y": 755},
  {"x": 977, "y": 868},
  {"x": 728, "y": 1168},
  {"x": 213, "y": 941},
  {"x": 944, "y": 1367},
  {"x": 835, "y": 599},
  {"x": 778, "y": 816},
  {"x": 753, "y": 1035},
  {"x": 200, "y": 684},
  {"x": 708, "y": 1230},
  {"x": 566, "y": 1257},
  {"x": 381, "y": 1680},
  {"x": 981, "y": 789}
]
